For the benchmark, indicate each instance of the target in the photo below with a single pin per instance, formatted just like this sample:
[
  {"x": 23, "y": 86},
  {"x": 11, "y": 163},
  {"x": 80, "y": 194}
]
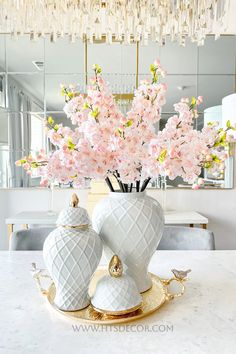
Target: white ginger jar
[{"x": 72, "y": 253}]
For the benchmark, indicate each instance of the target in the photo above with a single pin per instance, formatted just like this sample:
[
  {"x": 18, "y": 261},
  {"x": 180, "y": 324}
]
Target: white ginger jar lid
[
  {"x": 116, "y": 294},
  {"x": 73, "y": 216}
]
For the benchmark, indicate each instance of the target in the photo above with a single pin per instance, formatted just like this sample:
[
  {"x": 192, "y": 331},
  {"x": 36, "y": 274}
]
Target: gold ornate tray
[{"x": 153, "y": 299}]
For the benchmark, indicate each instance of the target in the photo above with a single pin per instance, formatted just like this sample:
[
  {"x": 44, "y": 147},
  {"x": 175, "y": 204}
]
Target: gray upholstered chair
[
  {"x": 29, "y": 240},
  {"x": 186, "y": 238}
]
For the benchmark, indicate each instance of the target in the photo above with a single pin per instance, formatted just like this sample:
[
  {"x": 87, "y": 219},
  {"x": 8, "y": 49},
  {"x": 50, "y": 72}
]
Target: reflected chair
[
  {"x": 186, "y": 238},
  {"x": 30, "y": 239}
]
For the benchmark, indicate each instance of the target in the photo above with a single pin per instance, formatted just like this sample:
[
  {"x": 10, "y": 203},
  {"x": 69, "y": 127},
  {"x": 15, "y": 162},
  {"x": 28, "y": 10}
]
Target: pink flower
[
  {"x": 200, "y": 99},
  {"x": 200, "y": 181},
  {"x": 44, "y": 182},
  {"x": 163, "y": 86},
  {"x": 26, "y": 166},
  {"x": 157, "y": 63}
]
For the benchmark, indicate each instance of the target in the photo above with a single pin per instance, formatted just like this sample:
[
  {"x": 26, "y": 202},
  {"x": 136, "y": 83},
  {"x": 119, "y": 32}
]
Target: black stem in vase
[
  {"x": 145, "y": 183},
  {"x": 131, "y": 187},
  {"x": 121, "y": 186},
  {"x": 137, "y": 186},
  {"x": 108, "y": 182},
  {"x": 119, "y": 182}
]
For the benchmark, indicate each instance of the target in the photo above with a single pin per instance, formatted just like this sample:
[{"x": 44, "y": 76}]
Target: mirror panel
[
  {"x": 53, "y": 98},
  {"x": 29, "y": 92},
  {"x": 117, "y": 58},
  {"x": 63, "y": 56},
  {"x": 21, "y": 54},
  {"x": 179, "y": 60},
  {"x": 146, "y": 53},
  {"x": 178, "y": 86},
  {"x": 25, "y": 92},
  {"x": 217, "y": 57},
  {"x": 214, "y": 87}
]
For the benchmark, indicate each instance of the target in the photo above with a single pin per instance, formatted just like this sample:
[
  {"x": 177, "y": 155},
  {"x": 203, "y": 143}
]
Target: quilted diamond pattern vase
[
  {"x": 72, "y": 253},
  {"x": 131, "y": 226}
]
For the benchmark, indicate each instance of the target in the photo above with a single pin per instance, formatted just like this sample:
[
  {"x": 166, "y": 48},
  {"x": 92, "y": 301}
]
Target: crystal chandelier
[{"x": 121, "y": 20}]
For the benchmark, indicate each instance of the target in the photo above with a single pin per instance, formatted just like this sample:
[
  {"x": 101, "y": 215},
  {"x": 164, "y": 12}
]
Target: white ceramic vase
[
  {"x": 72, "y": 253},
  {"x": 131, "y": 226}
]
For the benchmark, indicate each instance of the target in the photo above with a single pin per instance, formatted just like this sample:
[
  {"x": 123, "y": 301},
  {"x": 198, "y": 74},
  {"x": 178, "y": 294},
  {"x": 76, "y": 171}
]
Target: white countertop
[
  {"x": 203, "y": 321},
  {"x": 42, "y": 217}
]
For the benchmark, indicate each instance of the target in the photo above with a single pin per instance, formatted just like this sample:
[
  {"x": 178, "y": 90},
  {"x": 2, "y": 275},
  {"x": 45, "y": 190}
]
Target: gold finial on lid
[
  {"x": 74, "y": 201},
  {"x": 115, "y": 267}
]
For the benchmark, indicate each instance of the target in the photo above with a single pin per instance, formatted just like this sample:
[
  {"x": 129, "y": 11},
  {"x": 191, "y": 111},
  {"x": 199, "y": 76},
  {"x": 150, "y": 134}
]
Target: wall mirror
[{"x": 31, "y": 73}]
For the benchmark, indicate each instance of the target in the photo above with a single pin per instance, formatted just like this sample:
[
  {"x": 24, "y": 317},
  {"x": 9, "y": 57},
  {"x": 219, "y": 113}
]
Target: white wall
[{"x": 218, "y": 205}]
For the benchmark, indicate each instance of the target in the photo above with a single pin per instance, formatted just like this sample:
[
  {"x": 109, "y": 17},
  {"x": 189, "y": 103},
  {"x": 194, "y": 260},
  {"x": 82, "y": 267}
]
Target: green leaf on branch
[
  {"x": 50, "y": 120},
  {"x": 216, "y": 159},
  {"x": 97, "y": 69},
  {"x": 22, "y": 161},
  {"x": 70, "y": 94},
  {"x": 34, "y": 164},
  {"x": 95, "y": 113},
  {"x": 207, "y": 164},
  {"x": 129, "y": 123},
  {"x": 63, "y": 91},
  {"x": 228, "y": 125},
  {"x": 211, "y": 124},
  {"x": 85, "y": 105},
  {"x": 153, "y": 71},
  {"x": 162, "y": 156},
  {"x": 71, "y": 145},
  {"x": 152, "y": 68},
  {"x": 193, "y": 101},
  {"x": 73, "y": 177},
  {"x": 56, "y": 127}
]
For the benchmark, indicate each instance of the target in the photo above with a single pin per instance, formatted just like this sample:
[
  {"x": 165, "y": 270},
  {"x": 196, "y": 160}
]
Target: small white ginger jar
[
  {"x": 116, "y": 294},
  {"x": 72, "y": 253},
  {"x": 131, "y": 226}
]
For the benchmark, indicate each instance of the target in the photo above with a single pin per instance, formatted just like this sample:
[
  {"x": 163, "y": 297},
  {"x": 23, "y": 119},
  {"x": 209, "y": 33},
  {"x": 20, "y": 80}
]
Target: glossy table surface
[{"x": 202, "y": 321}]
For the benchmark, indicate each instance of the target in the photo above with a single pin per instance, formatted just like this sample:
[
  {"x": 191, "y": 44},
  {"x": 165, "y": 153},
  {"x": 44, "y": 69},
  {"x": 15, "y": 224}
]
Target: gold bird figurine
[
  {"x": 180, "y": 274},
  {"x": 115, "y": 267}
]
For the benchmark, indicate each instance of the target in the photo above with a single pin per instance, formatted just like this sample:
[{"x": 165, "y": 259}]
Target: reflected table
[{"x": 26, "y": 218}]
